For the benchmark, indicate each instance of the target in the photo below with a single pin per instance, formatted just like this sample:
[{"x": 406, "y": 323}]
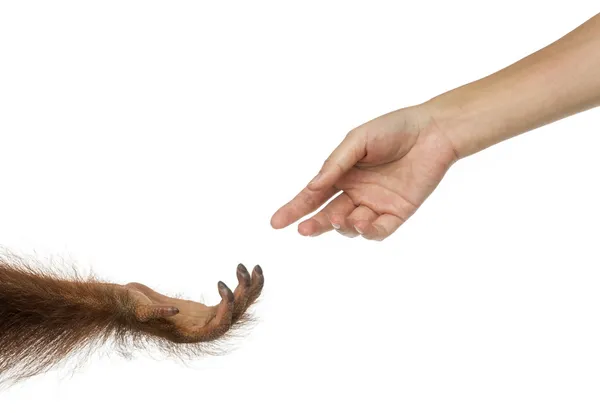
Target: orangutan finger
[
  {"x": 240, "y": 295},
  {"x": 219, "y": 324},
  {"x": 222, "y": 320},
  {"x": 258, "y": 282}
]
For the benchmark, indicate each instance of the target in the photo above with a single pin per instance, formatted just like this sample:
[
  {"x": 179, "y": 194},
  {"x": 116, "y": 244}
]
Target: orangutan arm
[{"x": 45, "y": 318}]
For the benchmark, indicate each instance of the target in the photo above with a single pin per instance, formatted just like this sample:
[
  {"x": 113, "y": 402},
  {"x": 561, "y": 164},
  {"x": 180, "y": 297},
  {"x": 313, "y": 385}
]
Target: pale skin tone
[{"x": 384, "y": 170}]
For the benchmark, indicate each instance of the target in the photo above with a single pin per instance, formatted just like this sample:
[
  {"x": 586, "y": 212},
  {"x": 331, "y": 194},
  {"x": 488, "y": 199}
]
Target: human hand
[
  {"x": 385, "y": 169},
  {"x": 184, "y": 321}
]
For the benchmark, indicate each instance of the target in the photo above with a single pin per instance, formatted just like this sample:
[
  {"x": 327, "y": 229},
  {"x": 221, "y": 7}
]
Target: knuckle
[
  {"x": 308, "y": 199},
  {"x": 332, "y": 163},
  {"x": 353, "y": 134}
]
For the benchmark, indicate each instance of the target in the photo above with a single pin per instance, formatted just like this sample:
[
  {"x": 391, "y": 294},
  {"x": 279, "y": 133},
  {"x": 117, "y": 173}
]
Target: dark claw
[
  {"x": 225, "y": 292},
  {"x": 243, "y": 276},
  {"x": 257, "y": 277},
  {"x": 258, "y": 281}
]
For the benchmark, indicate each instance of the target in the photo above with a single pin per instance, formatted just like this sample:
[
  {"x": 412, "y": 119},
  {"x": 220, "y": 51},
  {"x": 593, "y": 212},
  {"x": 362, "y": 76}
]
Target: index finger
[
  {"x": 304, "y": 203},
  {"x": 351, "y": 150}
]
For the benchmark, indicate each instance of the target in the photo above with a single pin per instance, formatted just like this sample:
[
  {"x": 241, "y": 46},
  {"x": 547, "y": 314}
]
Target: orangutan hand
[
  {"x": 46, "y": 317},
  {"x": 184, "y": 321}
]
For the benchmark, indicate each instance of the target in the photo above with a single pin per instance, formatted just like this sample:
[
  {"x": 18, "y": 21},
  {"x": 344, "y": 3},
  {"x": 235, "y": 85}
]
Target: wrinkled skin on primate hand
[{"x": 184, "y": 321}]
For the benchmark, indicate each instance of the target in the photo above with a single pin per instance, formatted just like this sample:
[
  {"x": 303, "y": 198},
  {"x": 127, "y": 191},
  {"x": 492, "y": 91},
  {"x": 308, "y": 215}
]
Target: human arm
[
  {"x": 559, "y": 80},
  {"x": 386, "y": 168}
]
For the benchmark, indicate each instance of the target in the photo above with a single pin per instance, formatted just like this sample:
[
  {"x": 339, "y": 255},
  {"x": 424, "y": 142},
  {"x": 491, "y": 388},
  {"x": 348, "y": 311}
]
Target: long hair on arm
[{"x": 48, "y": 316}]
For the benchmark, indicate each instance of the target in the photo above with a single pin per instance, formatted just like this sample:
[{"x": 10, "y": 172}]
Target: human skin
[{"x": 385, "y": 169}]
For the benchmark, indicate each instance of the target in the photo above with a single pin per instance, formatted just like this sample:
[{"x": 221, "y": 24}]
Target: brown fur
[{"x": 45, "y": 318}]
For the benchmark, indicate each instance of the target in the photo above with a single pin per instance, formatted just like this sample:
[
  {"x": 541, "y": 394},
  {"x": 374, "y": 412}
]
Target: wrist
[
  {"x": 446, "y": 120},
  {"x": 473, "y": 118}
]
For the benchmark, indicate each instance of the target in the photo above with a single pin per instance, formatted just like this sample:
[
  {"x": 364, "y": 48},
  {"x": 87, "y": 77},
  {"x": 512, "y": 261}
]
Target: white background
[{"x": 152, "y": 141}]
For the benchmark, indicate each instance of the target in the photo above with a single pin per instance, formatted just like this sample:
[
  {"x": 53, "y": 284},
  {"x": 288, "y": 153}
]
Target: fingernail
[
  {"x": 224, "y": 291},
  {"x": 335, "y": 226},
  {"x": 358, "y": 230},
  {"x": 242, "y": 275}
]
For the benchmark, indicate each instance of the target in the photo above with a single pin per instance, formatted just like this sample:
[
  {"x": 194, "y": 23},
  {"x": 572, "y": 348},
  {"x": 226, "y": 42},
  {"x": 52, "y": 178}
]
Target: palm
[
  {"x": 188, "y": 321},
  {"x": 399, "y": 186}
]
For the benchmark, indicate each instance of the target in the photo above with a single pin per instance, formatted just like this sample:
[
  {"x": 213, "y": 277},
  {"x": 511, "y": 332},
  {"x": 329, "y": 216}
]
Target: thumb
[{"x": 342, "y": 159}]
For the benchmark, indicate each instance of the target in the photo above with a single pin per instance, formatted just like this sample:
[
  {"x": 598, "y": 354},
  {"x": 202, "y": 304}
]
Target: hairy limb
[{"x": 45, "y": 318}]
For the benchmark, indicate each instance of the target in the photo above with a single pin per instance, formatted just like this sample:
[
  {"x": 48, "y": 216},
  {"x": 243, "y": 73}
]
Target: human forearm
[{"x": 555, "y": 82}]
